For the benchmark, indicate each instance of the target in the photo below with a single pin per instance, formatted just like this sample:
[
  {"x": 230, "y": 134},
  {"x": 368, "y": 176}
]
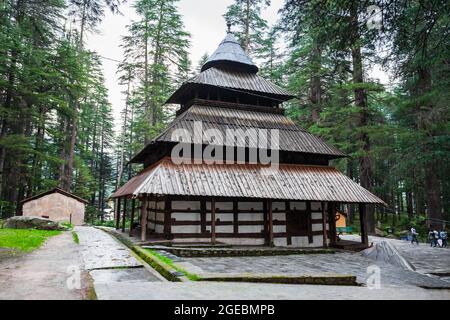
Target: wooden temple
[{"x": 235, "y": 201}]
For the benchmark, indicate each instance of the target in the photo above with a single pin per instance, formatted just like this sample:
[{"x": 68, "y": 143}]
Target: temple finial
[{"x": 229, "y": 27}]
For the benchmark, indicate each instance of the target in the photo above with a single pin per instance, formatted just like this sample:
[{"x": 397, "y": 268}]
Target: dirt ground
[{"x": 43, "y": 273}]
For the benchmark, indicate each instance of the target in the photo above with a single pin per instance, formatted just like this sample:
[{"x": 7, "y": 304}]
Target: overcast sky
[{"x": 202, "y": 18}]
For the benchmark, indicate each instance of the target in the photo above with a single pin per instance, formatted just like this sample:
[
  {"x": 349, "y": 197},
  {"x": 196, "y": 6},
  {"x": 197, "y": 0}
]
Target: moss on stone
[
  {"x": 208, "y": 252},
  {"x": 335, "y": 280}
]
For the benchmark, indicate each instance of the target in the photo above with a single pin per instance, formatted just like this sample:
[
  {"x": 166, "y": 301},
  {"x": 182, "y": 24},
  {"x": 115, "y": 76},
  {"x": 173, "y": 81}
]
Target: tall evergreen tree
[
  {"x": 155, "y": 59},
  {"x": 249, "y": 27},
  {"x": 417, "y": 32}
]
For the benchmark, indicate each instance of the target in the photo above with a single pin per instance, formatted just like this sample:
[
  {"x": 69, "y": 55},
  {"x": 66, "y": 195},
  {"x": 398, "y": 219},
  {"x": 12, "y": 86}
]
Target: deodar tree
[
  {"x": 48, "y": 83},
  {"x": 248, "y": 26},
  {"x": 155, "y": 59}
]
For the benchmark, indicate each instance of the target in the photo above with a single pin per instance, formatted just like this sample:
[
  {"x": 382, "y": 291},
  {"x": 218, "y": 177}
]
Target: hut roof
[
  {"x": 288, "y": 182},
  {"x": 230, "y": 52},
  {"x": 244, "y": 123},
  {"x": 67, "y": 194}
]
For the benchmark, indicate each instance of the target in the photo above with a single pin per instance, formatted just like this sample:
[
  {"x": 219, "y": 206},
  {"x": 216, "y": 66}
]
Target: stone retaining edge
[
  {"x": 162, "y": 268},
  {"x": 198, "y": 253},
  {"x": 170, "y": 273},
  {"x": 335, "y": 280}
]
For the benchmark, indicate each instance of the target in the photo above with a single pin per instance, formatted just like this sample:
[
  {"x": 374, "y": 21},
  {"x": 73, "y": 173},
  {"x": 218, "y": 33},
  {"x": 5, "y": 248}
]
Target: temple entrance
[{"x": 298, "y": 224}]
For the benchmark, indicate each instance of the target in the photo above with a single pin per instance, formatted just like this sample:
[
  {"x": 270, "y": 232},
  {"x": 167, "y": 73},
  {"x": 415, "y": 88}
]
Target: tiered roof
[
  {"x": 230, "y": 53},
  {"x": 225, "y": 116},
  {"x": 288, "y": 182},
  {"x": 230, "y": 69},
  {"x": 233, "y": 80}
]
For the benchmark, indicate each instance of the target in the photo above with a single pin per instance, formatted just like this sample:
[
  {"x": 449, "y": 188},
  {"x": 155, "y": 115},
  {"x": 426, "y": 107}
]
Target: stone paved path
[
  {"x": 43, "y": 273},
  {"x": 311, "y": 264},
  {"x": 258, "y": 291},
  {"x": 424, "y": 258},
  {"x": 101, "y": 251},
  {"x": 111, "y": 262}
]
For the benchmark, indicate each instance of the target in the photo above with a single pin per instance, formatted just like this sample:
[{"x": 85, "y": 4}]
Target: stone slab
[
  {"x": 123, "y": 275},
  {"x": 101, "y": 251},
  {"x": 257, "y": 291},
  {"x": 314, "y": 264}
]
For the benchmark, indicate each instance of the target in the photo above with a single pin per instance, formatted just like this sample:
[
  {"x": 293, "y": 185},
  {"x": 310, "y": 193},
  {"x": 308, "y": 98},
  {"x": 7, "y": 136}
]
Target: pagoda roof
[
  {"x": 230, "y": 52},
  {"x": 234, "y": 79},
  {"x": 234, "y": 116},
  {"x": 288, "y": 182}
]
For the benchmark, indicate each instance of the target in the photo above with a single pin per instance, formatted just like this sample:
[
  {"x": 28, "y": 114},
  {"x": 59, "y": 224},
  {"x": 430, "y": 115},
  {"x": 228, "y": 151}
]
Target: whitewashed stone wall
[
  {"x": 248, "y": 211},
  {"x": 56, "y": 207},
  {"x": 153, "y": 215},
  {"x": 279, "y": 215}
]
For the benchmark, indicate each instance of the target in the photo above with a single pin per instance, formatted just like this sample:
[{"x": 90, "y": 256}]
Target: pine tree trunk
[
  {"x": 67, "y": 186},
  {"x": 36, "y": 164},
  {"x": 432, "y": 183},
  {"x": 315, "y": 95},
  {"x": 409, "y": 204},
  {"x": 146, "y": 93},
  {"x": 124, "y": 130},
  {"x": 247, "y": 28},
  {"x": 156, "y": 62},
  {"x": 351, "y": 207},
  {"x": 433, "y": 192},
  {"x": 67, "y": 182},
  {"x": 365, "y": 165}
]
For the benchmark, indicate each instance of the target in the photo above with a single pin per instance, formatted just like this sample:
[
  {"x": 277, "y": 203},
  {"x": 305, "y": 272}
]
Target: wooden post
[
  {"x": 266, "y": 223},
  {"x": 324, "y": 225},
  {"x": 144, "y": 219},
  {"x": 213, "y": 221},
  {"x": 167, "y": 217},
  {"x": 363, "y": 220},
  {"x": 269, "y": 210},
  {"x": 124, "y": 213},
  {"x": 203, "y": 216},
  {"x": 133, "y": 204},
  {"x": 288, "y": 212},
  {"x": 332, "y": 222},
  {"x": 235, "y": 218},
  {"x": 309, "y": 222},
  {"x": 117, "y": 215}
]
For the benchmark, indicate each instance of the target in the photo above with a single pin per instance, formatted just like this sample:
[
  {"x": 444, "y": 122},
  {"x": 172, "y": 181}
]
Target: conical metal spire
[{"x": 230, "y": 54}]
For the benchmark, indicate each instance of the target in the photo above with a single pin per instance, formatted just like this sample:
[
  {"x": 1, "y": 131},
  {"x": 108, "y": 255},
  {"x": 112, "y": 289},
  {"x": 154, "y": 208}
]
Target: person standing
[
  {"x": 436, "y": 237},
  {"x": 414, "y": 235},
  {"x": 431, "y": 237},
  {"x": 444, "y": 237}
]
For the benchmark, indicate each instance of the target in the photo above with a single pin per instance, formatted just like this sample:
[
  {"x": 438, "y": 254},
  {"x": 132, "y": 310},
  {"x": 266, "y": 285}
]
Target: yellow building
[{"x": 341, "y": 219}]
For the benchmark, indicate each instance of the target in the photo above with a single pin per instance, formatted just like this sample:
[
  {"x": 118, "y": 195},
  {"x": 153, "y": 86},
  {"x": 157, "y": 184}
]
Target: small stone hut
[{"x": 56, "y": 205}]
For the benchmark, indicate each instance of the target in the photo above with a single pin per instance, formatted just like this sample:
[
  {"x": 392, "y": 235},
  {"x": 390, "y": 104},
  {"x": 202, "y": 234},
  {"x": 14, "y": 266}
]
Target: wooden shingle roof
[
  {"x": 245, "y": 124},
  {"x": 288, "y": 182},
  {"x": 231, "y": 53},
  {"x": 235, "y": 80}
]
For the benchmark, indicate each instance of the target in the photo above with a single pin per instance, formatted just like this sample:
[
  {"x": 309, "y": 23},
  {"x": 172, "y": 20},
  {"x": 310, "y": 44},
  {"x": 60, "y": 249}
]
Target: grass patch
[
  {"x": 67, "y": 225},
  {"x": 169, "y": 262},
  {"x": 24, "y": 239},
  {"x": 75, "y": 237}
]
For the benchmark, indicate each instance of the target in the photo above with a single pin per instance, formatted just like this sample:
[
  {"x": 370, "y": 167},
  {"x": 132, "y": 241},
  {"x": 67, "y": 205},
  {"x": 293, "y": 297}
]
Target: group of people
[{"x": 433, "y": 236}]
